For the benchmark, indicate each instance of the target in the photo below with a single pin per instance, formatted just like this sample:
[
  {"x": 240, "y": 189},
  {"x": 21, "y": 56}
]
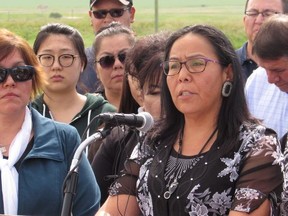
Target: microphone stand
[{"x": 71, "y": 183}]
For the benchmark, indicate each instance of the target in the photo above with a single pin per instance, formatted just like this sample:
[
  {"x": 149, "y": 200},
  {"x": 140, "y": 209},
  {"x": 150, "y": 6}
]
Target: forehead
[
  {"x": 192, "y": 45},
  {"x": 114, "y": 43},
  {"x": 12, "y": 59},
  {"x": 56, "y": 42},
  {"x": 265, "y": 5},
  {"x": 275, "y": 63}
]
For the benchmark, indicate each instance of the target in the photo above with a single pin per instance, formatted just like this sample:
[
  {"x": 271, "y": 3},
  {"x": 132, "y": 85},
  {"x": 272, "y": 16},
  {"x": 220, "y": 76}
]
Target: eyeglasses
[
  {"x": 266, "y": 13},
  {"x": 109, "y": 60},
  {"x": 18, "y": 74},
  {"x": 116, "y": 12},
  {"x": 194, "y": 65},
  {"x": 65, "y": 60}
]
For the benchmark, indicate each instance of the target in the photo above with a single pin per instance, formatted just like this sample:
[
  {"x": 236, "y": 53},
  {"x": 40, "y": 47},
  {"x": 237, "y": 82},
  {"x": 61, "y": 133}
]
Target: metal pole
[{"x": 156, "y": 16}]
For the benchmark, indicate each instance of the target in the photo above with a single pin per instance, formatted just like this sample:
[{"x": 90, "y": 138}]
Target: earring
[{"x": 227, "y": 88}]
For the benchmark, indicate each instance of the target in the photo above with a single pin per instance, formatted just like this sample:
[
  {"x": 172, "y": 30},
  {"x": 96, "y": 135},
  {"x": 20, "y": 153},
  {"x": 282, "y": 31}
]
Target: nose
[
  {"x": 9, "y": 81},
  {"x": 108, "y": 19},
  {"x": 117, "y": 63},
  {"x": 184, "y": 75},
  {"x": 56, "y": 64},
  {"x": 273, "y": 77},
  {"x": 260, "y": 18}
]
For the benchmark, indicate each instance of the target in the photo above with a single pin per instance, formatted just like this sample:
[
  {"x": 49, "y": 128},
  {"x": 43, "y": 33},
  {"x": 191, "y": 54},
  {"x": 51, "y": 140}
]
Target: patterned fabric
[
  {"x": 210, "y": 183},
  {"x": 284, "y": 204}
]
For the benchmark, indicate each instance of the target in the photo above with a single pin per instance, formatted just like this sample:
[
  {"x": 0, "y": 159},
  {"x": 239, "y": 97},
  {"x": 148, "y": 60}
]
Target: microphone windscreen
[{"x": 148, "y": 121}]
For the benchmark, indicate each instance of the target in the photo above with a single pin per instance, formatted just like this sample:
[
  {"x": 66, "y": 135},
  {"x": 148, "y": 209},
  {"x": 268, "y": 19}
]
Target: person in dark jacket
[
  {"x": 110, "y": 46},
  {"x": 60, "y": 51},
  {"x": 143, "y": 71},
  {"x": 36, "y": 152}
]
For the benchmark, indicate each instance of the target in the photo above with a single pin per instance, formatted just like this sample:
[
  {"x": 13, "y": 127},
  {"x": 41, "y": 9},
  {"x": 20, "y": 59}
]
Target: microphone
[{"x": 142, "y": 121}]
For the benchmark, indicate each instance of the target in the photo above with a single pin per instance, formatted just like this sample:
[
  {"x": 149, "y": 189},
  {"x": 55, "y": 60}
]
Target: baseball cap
[{"x": 124, "y": 2}]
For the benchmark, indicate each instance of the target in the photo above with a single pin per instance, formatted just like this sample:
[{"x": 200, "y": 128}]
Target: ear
[
  {"x": 142, "y": 104},
  {"x": 228, "y": 73},
  {"x": 132, "y": 14},
  {"x": 96, "y": 71},
  {"x": 91, "y": 17},
  {"x": 82, "y": 66},
  {"x": 142, "y": 93}
]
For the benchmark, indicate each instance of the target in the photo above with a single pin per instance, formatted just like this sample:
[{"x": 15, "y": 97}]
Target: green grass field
[{"x": 26, "y": 17}]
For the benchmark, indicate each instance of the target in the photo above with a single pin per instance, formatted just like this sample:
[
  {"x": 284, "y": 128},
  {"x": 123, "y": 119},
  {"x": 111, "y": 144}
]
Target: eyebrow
[
  {"x": 253, "y": 9},
  {"x": 198, "y": 55},
  {"x": 190, "y": 56},
  {"x": 110, "y": 53},
  {"x": 61, "y": 50},
  {"x": 19, "y": 63}
]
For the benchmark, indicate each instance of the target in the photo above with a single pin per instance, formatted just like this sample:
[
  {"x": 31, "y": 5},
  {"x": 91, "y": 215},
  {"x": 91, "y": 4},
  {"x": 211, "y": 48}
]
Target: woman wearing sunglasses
[
  {"x": 101, "y": 13},
  {"x": 111, "y": 45},
  {"x": 36, "y": 152},
  {"x": 143, "y": 70},
  {"x": 60, "y": 51}
]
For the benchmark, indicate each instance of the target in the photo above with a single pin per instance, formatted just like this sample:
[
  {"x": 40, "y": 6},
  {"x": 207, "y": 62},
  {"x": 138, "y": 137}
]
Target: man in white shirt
[
  {"x": 267, "y": 102},
  {"x": 267, "y": 88}
]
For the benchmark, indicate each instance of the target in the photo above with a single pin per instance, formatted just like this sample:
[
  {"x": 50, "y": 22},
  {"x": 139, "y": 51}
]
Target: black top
[
  {"x": 211, "y": 183},
  {"x": 248, "y": 65},
  {"x": 110, "y": 157}
]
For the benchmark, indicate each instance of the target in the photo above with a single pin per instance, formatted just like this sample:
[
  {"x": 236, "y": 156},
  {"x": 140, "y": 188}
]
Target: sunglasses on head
[
  {"x": 109, "y": 60},
  {"x": 117, "y": 12},
  {"x": 18, "y": 74}
]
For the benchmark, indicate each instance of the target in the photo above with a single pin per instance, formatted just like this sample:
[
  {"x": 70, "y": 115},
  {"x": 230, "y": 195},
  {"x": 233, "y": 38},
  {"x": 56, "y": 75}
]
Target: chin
[{"x": 284, "y": 89}]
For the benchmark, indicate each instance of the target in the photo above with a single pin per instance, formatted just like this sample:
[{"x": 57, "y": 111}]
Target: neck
[
  {"x": 113, "y": 98},
  {"x": 196, "y": 136},
  {"x": 65, "y": 108},
  {"x": 249, "y": 51},
  {"x": 9, "y": 127},
  {"x": 66, "y": 100},
  {"x": 202, "y": 121}
]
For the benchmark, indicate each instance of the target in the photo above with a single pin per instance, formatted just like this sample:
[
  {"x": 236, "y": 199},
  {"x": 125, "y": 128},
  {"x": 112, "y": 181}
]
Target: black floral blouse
[
  {"x": 284, "y": 204},
  {"x": 210, "y": 183}
]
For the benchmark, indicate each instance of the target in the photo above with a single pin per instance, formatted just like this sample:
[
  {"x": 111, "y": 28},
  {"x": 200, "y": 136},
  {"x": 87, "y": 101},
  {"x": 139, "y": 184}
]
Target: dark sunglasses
[
  {"x": 109, "y": 60},
  {"x": 18, "y": 74},
  {"x": 117, "y": 12}
]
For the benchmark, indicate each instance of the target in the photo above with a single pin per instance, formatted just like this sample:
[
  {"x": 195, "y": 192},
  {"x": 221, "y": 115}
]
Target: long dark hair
[
  {"x": 233, "y": 111},
  {"x": 144, "y": 59},
  {"x": 143, "y": 63},
  {"x": 127, "y": 103}
]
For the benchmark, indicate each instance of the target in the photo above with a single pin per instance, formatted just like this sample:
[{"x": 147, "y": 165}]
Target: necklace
[{"x": 171, "y": 189}]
